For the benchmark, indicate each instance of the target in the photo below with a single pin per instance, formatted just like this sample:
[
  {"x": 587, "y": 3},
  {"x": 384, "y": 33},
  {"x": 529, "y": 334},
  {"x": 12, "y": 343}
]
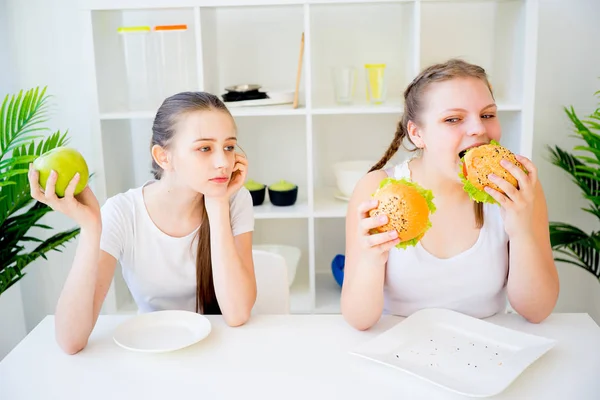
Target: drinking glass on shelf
[
  {"x": 344, "y": 84},
  {"x": 376, "y": 89}
]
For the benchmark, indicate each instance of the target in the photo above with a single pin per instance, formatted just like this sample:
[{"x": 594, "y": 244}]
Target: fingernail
[
  {"x": 393, "y": 234},
  {"x": 382, "y": 218},
  {"x": 76, "y": 175},
  {"x": 504, "y": 163},
  {"x": 492, "y": 176},
  {"x": 53, "y": 173}
]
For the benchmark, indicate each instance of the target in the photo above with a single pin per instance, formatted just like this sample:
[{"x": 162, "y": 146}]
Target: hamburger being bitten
[
  {"x": 407, "y": 206},
  {"x": 481, "y": 161}
]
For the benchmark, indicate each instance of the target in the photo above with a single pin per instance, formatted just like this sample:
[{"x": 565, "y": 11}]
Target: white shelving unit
[{"x": 248, "y": 41}]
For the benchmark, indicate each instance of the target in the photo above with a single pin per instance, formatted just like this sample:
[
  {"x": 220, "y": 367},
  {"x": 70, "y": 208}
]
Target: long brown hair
[
  {"x": 163, "y": 130},
  {"x": 413, "y": 106}
]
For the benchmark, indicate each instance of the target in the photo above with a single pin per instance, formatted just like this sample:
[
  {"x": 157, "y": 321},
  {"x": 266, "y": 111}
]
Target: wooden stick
[{"x": 299, "y": 73}]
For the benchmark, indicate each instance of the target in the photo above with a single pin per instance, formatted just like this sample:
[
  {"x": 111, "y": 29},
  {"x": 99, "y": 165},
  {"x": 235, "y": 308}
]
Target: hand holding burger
[
  {"x": 493, "y": 174},
  {"x": 407, "y": 207}
]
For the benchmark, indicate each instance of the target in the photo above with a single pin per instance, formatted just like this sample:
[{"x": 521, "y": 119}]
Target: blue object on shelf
[{"x": 337, "y": 268}]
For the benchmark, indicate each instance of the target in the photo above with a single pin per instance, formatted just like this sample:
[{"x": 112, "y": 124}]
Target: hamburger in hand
[
  {"x": 407, "y": 206},
  {"x": 478, "y": 162}
]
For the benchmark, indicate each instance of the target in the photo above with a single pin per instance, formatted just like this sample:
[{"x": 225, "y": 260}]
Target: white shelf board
[
  {"x": 328, "y": 292},
  {"x": 388, "y": 107},
  {"x": 257, "y": 111},
  {"x": 326, "y": 205},
  {"x": 269, "y": 211},
  {"x": 265, "y": 111}
]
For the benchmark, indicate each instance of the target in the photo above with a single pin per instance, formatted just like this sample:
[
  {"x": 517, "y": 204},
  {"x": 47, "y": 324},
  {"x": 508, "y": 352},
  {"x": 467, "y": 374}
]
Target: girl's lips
[{"x": 219, "y": 180}]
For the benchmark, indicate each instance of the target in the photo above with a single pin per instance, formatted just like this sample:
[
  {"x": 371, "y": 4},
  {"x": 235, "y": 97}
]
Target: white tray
[{"x": 465, "y": 355}]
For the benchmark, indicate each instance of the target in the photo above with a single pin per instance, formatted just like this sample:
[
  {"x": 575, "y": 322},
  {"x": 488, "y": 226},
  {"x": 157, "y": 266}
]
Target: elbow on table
[
  {"x": 361, "y": 324},
  {"x": 71, "y": 346},
  {"x": 237, "y": 319}
]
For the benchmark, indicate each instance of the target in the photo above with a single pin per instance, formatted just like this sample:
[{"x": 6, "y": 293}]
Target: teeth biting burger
[
  {"x": 478, "y": 162},
  {"x": 407, "y": 206}
]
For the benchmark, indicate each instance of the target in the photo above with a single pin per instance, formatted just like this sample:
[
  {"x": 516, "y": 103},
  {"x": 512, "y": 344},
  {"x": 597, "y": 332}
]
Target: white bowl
[
  {"x": 290, "y": 253},
  {"x": 348, "y": 173}
]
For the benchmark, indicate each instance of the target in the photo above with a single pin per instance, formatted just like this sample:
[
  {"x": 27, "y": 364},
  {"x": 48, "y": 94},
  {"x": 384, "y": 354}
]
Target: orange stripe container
[{"x": 174, "y": 52}]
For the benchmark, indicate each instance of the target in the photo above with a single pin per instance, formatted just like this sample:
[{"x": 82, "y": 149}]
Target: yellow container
[{"x": 376, "y": 90}]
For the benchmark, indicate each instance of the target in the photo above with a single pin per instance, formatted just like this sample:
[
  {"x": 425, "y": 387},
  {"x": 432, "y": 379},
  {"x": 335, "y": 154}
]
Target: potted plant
[
  {"x": 571, "y": 244},
  {"x": 22, "y": 139}
]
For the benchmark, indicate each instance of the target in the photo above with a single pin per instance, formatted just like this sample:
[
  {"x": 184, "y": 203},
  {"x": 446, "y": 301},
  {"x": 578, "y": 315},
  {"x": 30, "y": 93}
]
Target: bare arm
[
  {"x": 533, "y": 284},
  {"x": 233, "y": 268},
  {"x": 366, "y": 257},
  {"x": 83, "y": 293},
  {"x": 89, "y": 279}
]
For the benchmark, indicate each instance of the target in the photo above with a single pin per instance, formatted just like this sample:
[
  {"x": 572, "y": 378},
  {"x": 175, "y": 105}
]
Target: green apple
[{"x": 66, "y": 162}]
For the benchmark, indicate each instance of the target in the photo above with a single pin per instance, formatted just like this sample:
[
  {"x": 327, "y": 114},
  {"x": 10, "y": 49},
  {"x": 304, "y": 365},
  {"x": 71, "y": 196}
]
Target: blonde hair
[{"x": 413, "y": 106}]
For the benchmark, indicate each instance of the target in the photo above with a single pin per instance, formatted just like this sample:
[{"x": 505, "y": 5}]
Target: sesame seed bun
[
  {"x": 481, "y": 161},
  {"x": 407, "y": 206}
]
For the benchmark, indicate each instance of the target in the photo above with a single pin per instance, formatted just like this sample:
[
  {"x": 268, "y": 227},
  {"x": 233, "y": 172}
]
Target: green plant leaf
[{"x": 22, "y": 139}]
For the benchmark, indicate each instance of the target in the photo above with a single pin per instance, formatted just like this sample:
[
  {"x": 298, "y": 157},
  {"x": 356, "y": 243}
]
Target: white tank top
[{"x": 472, "y": 282}]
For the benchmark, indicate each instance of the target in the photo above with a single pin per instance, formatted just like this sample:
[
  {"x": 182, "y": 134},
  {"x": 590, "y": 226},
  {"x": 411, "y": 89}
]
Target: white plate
[
  {"x": 465, "y": 355},
  {"x": 162, "y": 331}
]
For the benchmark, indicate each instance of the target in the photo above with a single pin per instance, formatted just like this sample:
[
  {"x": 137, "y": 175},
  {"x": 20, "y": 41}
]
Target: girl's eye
[
  {"x": 488, "y": 116},
  {"x": 230, "y": 148},
  {"x": 451, "y": 120},
  {"x": 204, "y": 149}
]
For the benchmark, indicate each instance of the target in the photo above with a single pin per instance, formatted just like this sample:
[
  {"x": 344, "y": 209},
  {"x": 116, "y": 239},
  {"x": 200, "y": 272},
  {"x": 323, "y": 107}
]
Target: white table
[{"x": 278, "y": 357}]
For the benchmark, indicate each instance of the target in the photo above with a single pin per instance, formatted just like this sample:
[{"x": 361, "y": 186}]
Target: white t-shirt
[
  {"x": 160, "y": 270},
  {"x": 472, "y": 282}
]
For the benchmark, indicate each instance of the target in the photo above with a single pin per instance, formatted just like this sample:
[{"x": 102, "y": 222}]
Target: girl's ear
[
  {"x": 161, "y": 156},
  {"x": 414, "y": 133}
]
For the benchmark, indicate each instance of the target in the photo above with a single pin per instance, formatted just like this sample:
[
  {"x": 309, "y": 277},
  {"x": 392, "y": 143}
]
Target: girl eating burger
[{"x": 462, "y": 225}]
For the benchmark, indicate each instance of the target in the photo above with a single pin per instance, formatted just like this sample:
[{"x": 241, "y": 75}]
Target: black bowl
[
  {"x": 258, "y": 196},
  {"x": 283, "y": 198}
]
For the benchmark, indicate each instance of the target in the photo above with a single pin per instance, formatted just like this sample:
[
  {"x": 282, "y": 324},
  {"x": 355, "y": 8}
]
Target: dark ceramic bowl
[
  {"x": 283, "y": 198},
  {"x": 258, "y": 196}
]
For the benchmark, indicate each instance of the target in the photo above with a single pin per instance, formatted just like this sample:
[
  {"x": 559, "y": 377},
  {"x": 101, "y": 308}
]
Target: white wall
[
  {"x": 46, "y": 50},
  {"x": 6, "y": 70},
  {"x": 47, "y": 43},
  {"x": 568, "y": 73}
]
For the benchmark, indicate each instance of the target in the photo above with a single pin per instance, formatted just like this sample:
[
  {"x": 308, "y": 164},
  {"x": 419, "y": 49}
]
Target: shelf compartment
[
  {"x": 354, "y": 34},
  {"x": 112, "y": 79},
  {"x": 487, "y": 33},
  {"x": 329, "y": 203},
  {"x": 292, "y": 233},
  {"x": 276, "y": 150},
  {"x": 350, "y": 138},
  {"x": 252, "y": 45},
  {"x": 330, "y": 239}
]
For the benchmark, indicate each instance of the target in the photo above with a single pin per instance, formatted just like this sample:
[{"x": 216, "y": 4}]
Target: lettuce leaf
[
  {"x": 427, "y": 194},
  {"x": 475, "y": 194}
]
